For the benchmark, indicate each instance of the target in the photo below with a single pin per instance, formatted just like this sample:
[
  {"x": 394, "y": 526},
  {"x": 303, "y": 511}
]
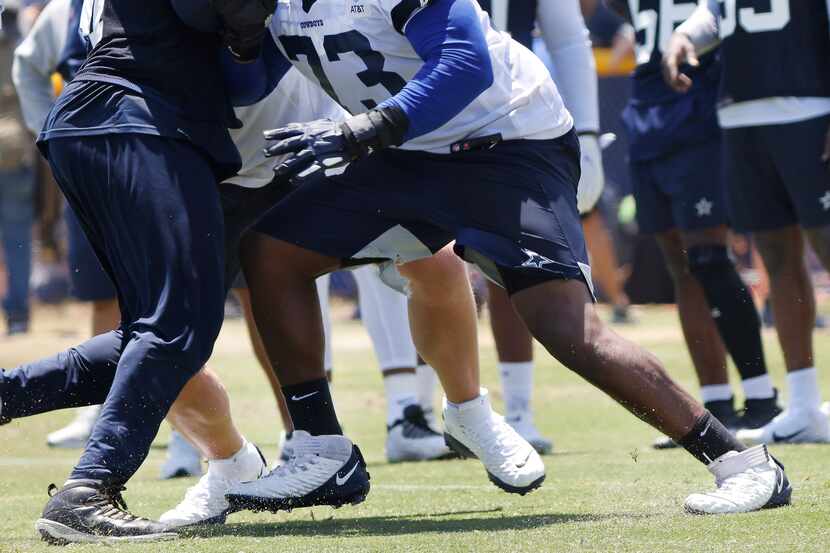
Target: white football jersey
[
  {"x": 295, "y": 99},
  {"x": 357, "y": 52}
]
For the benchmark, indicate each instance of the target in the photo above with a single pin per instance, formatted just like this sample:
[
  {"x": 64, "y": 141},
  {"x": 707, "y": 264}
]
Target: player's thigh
[
  {"x": 797, "y": 149},
  {"x": 757, "y": 197}
]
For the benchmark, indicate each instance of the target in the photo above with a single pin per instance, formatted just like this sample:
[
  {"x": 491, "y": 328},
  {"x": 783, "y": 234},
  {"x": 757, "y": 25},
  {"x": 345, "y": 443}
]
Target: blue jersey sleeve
[
  {"x": 250, "y": 83},
  {"x": 447, "y": 35},
  {"x": 75, "y": 49}
]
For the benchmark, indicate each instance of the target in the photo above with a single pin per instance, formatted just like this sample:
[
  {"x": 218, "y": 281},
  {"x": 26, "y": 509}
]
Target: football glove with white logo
[
  {"x": 245, "y": 23},
  {"x": 331, "y": 145}
]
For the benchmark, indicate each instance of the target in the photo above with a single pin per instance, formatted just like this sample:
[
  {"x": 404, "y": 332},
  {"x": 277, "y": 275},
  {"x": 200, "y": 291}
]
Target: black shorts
[
  {"x": 775, "y": 177},
  {"x": 681, "y": 190},
  {"x": 511, "y": 210}
]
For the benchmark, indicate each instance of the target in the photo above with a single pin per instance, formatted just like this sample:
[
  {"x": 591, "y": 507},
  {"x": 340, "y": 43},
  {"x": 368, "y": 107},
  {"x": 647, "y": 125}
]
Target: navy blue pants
[{"x": 150, "y": 208}]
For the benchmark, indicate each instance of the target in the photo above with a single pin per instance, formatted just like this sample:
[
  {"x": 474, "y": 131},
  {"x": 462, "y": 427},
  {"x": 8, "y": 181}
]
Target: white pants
[{"x": 384, "y": 313}]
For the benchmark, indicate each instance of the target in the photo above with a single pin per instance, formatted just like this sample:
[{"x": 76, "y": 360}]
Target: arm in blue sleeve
[
  {"x": 447, "y": 35},
  {"x": 74, "y": 51},
  {"x": 249, "y": 83}
]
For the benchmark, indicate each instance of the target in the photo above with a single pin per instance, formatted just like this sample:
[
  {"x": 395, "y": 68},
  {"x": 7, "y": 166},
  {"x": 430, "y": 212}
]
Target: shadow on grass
[{"x": 397, "y": 525}]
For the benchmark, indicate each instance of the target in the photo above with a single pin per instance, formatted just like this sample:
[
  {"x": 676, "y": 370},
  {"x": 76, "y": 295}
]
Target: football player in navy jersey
[
  {"x": 138, "y": 153},
  {"x": 676, "y": 172},
  {"x": 774, "y": 107},
  {"x": 457, "y": 133}
]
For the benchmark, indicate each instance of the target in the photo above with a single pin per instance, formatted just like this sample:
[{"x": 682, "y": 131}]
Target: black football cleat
[
  {"x": 85, "y": 512},
  {"x": 760, "y": 412}
]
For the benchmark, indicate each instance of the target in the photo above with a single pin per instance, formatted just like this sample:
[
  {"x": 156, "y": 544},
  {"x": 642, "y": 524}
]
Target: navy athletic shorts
[
  {"x": 510, "y": 208},
  {"x": 681, "y": 190},
  {"x": 775, "y": 177}
]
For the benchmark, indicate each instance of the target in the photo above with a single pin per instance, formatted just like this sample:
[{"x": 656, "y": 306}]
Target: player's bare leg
[
  {"x": 514, "y": 346},
  {"x": 262, "y": 358},
  {"x": 561, "y": 315},
  {"x": 442, "y": 316},
  {"x": 702, "y": 339},
  {"x": 202, "y": 414},
  {"x": 324, "y": 468},
  {"x": 793, "y": 304}
]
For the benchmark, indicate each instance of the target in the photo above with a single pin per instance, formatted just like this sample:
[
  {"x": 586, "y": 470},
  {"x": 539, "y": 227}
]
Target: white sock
[
  {"x": 401, "y": 391},
  {"x": 802, "y": 386},
  {"x": 715, "y": 392},
  {"x": 242, "y": 465},
  {"x": 517, "y": 385},
  {"x": 758, "y": 387},
  {"x": 427, "y": 381}
]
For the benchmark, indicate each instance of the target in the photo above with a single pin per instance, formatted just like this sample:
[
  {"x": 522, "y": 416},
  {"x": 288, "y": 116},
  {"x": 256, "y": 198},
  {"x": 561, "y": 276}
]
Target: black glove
[
  {"x": 329, "y": 145},
  {"x": 244, "y": 24}
]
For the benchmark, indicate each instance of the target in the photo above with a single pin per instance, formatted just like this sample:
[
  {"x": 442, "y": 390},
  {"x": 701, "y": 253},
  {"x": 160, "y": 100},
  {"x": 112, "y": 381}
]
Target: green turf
[{"x": 605, "y": 491}]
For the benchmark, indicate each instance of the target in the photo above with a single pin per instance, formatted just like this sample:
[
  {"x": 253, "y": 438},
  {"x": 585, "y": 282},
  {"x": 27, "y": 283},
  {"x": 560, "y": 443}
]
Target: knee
[
  {"x": 709, "y": 260},
  {"x": 443, "y": 275}
]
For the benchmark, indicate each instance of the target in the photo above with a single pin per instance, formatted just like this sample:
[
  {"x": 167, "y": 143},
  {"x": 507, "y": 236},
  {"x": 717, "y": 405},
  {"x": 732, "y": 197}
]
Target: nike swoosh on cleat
[
  {"x": 788, "y": 437},
  {"x": 523, "y": 463},
  {"x": 705, "y": 430},
  {"x": 780, "y": 477},
  {"x": 300, "y": 398},
  {"x": 342, "y": 480}
]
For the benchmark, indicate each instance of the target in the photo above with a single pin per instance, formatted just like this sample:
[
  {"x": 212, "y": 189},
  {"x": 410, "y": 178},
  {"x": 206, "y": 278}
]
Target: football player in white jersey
[{"x": 457, "y": 133}]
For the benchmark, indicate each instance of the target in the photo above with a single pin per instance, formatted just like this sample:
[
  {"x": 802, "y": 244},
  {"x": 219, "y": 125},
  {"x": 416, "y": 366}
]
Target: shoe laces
[
  {"x": 108, "y": 503},
  {"x": 295, "y": 465}
]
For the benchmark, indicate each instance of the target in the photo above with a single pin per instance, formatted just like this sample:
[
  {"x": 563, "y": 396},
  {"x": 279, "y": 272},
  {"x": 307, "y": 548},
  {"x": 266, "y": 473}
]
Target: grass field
[{"x": 606, "y": 490}]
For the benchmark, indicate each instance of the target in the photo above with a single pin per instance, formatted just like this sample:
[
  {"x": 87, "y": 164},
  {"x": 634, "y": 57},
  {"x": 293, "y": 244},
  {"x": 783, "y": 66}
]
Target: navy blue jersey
[
  {"x": 774, "y": 48},
  {"x": 659, "y": 120},
  {"x": 517, "y": 17},
  {"x": 148, "y": 73}
]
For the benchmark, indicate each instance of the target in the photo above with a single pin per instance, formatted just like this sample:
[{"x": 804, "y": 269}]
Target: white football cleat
[
  {"x": 473, "y": 429},
  {"x": 322, "y": 470},
  {"x": 75, "y": 434},
  {"x": 825, "y": 408},
  {"x": 792, "y": 426},
  {"x": 412, "y": 439},
  {"x": 523, "y": 424},
  {"x": 747, "y": 481},
  {"x": 205, "y": 502},
  {"x": 182, "y": 459}
]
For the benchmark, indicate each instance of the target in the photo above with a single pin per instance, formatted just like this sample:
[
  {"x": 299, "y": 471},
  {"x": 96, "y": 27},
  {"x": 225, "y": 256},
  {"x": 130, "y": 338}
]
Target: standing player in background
[
  {"x": 457, "y": 132},
  {"x": 574, "y": 71},
  {"x": 775, "y": 112},
  {"x": 675, "y": 160},
  {"x": 17, "y": 187}
]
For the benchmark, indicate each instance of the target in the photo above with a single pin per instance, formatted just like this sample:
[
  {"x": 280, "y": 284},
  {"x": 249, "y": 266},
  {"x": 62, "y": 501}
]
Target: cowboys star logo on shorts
[{"x": 534, "y": 260}]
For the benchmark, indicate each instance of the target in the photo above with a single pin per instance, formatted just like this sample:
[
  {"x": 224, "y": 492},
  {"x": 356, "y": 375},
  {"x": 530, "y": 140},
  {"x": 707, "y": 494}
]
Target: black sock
[
  {"x": 311, "y": 407},
  {"x": 732, "y": 307},
  {"x": 709, "y": 439}
]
